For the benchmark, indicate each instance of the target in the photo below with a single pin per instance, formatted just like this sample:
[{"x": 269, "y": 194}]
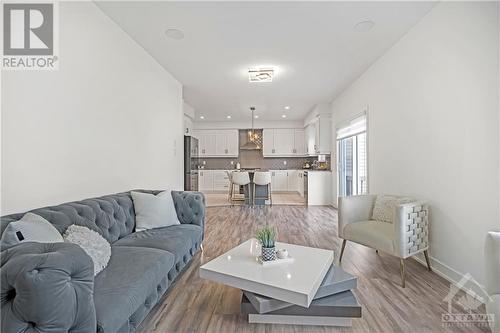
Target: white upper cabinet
[
  {"x": 218, "y": 143},
  {"x": 268, "y": 143},
  {"x": 206, "y": 143},
  {"x": 319, "y": 135},
  {"x": 300, "y": 142},
  {"x": 283, "y": 142}
]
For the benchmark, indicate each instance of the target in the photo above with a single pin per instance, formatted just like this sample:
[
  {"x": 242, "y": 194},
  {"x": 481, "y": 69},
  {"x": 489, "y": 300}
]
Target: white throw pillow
[
  {"x": 30, "y": 228},
  {"x": 154, "y": 211},
  {"x": 92, "y": 243},
  {"x": 385, "y": 206}
]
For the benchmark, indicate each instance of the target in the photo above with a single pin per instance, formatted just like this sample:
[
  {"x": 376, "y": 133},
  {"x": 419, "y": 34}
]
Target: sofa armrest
[
  {"x": 411, "y": 228},
  {"x": 190, "y": 207},
  {"x": 354, "y": 209},
  {"x": 47, "y": 288}
]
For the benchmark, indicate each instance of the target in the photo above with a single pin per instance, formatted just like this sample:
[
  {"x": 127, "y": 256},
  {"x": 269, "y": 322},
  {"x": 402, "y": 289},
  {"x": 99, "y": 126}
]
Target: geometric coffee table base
[{"x": 335, "y": 305}]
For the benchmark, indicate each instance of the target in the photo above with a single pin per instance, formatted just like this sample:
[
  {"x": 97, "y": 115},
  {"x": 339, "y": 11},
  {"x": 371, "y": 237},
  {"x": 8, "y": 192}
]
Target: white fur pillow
[{"x": 91, "y": 242}]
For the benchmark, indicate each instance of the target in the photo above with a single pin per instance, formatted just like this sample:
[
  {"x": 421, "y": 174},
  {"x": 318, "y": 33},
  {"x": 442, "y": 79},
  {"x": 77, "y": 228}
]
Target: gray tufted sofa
[{"x": 51, "y": 287}]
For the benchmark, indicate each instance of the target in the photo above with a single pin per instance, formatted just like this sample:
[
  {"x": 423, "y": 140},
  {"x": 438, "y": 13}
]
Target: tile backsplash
[{"x": 254, "y": 159}]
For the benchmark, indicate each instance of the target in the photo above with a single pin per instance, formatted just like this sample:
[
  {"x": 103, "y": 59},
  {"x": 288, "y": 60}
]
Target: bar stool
[
  {"x": 230, "y": 178},
  {"x": 241, "y": 178},
  {"x": 263, "y": 179}
]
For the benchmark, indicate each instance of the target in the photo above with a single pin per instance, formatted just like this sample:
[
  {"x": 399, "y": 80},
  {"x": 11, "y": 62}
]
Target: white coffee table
[{"x": 295, "y": 282}]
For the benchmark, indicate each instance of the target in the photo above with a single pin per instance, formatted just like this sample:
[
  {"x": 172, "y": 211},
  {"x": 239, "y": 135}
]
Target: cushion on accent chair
[{"x": 385, "y": 206}]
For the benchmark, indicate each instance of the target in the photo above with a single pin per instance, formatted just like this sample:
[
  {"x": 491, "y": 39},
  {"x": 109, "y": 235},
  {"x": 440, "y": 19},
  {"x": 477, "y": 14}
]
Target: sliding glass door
[{"x": 352, "y": 158}]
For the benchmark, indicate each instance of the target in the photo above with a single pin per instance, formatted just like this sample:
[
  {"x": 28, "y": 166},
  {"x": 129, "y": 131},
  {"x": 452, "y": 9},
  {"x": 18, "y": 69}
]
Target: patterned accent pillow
[{"x": 385, "y": 205}]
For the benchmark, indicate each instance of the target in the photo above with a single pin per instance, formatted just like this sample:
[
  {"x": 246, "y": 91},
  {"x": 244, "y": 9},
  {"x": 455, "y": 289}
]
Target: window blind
[{"x": 353, "y": 127}]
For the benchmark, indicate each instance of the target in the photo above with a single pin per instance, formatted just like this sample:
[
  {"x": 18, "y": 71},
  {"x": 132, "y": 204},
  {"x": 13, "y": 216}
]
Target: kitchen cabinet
[
  {"x": 279, "y": 181},
  {"x": 268, "y": 143},
  {"x": 213, "y": 180},
  {"x": 221, "y": 180},
  {"x": 292, "y": 180},
  {"x": 299, "y": 142},
  {"x": 287, "y": 181},
  {"x": 319, "y": 188},
  {"x": 226, "y": 143},
  {"x": 300, "y": 182},
  {"x": 218, "y": 143},
  {"x": 319, "y": 135},
  {"x": 283, "y": 142},
  {"x": 206, "y": 180}
]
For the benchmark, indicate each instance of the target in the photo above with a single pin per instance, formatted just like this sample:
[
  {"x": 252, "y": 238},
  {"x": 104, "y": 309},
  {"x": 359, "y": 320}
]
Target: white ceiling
[{"x": 314, "y": 46}]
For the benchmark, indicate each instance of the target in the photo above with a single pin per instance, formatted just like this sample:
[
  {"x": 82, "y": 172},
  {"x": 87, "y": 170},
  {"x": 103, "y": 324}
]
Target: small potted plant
[{"x": 267, "y": 237}]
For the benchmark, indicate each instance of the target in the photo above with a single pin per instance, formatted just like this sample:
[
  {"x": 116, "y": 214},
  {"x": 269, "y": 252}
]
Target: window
[{"x": 352, "y": 157}]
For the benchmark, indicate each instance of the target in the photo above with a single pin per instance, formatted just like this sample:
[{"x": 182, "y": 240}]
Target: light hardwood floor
[
  {"x": 279, "y": 198},
  {"x": 196, "y": 305}
]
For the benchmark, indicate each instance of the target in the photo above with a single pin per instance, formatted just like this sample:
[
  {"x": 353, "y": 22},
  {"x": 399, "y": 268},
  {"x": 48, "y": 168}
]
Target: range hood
[{"x": 246, "y": 144}]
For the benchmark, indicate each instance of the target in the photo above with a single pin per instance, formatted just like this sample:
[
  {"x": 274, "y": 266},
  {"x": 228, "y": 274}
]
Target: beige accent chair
[
  {"x": 406, "y": 236},
  {"x": 492, "y": 258}
]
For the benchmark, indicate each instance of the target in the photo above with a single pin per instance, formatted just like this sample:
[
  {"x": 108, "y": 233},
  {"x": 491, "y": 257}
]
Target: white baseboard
[{"x": 453, "y": 276}]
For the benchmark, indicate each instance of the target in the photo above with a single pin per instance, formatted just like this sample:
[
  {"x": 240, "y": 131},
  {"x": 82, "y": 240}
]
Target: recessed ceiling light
[
  {"x": 283, "y": 116},
  {"x": 256, "y": 116},
  {"x": 260, "y": 74},
  {"x": 364, "y": 26},
  {"x": 228, "y": 117},
  {"x": 202, "y": 117},
  {"x": 287, "y": 107},
  {"x": 174, "y": 34}
]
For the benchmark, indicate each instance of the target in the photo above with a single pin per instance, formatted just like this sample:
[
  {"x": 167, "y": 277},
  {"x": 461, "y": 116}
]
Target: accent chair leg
[
  {"x": 376, "y": 251},
  {"x": 342, "y": 250},
  {"x": 201, "y": 247},
  {"x": 426, "y": 254},
  {"x": 402, "y": 268}
]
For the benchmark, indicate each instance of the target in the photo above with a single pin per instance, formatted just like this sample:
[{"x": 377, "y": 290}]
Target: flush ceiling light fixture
[
  {"x": 256, "y": 116},
  {"x": 260, "y": 74},
  {"x": 228, "y": 117},
  {"x": 283, "y": 116},
  {"x": 364, "y": 26},
  {"x": 174, "y": 34},
  {"x": 287, "y": 107},
  {"x": 202, "y": 117}
]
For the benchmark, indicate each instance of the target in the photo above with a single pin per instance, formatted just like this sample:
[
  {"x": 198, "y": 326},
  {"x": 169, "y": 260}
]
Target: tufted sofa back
[{"x": 112, "y": 216}]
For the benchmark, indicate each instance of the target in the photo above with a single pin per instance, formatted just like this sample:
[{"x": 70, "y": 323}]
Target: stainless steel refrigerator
[{"x": 191, "y": 163}]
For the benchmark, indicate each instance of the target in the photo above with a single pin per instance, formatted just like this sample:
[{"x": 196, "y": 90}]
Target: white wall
[
  {"x": 434, "y": 127},
  {"x": 109, "y": 120}
]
